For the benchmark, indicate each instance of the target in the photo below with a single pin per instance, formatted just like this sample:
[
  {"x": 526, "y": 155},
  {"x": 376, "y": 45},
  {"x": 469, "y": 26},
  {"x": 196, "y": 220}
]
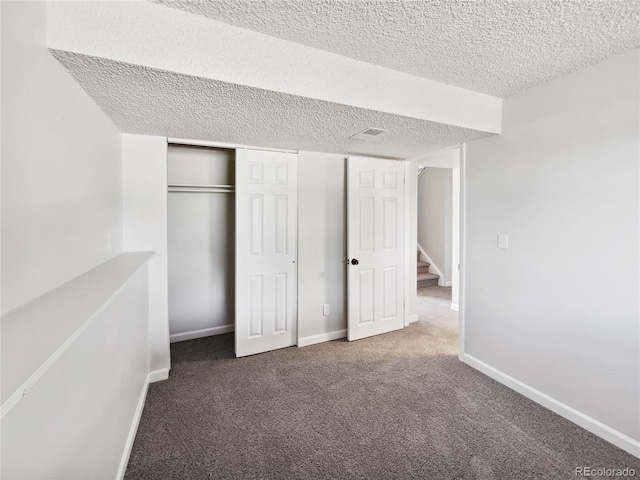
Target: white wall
[
  {"x": 61, "y": 204},
  {"x": 434, "y": 218},
  {"x": 321, "y": 246},
  {"x": 61, "y": 169},
  {"x": 559, "y": 312},
  {"x": 145, "y": 228}
]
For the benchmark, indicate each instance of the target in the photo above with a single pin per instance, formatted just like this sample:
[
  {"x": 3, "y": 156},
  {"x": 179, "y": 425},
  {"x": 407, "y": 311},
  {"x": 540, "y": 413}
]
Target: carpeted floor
[
  {"x": 395, "y": 406},
  {"x": 434, "y": 307}
]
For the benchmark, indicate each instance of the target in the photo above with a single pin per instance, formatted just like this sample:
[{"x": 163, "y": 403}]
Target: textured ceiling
[
  {"x": 498, "y": 47},
  {"x": 157, "y": 102}
]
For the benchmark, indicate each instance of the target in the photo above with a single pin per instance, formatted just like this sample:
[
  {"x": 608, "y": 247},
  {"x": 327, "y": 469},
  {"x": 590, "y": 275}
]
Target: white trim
[
  {"x": 447, "y": 284},
  {"x": 603, "y": 431},
  {"x": 204, "y": 143},
  {"x": 205, "y": 332},
  {"x": 462, "y": 278},
  {"x": 322, "y": 337},
  {"x": 296, "y": 300},
  {"x": 158, "y": 375},
  {"x": 412, "y": 318},
  {"x": 455, "y": 306},
  {"x": 152, "y": 377},
  {"x": 406, "y": 317},
  {"x": 410, "y": 239},
  {"x": 133, "y": 429},
  {"x": 431, "y": 264}
]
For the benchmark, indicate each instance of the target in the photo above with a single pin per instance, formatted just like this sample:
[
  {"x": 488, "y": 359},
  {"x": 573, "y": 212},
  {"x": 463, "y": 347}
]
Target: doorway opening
[
  {"x": 438, "y": 239},
  {"x": 200, "y": 241}
]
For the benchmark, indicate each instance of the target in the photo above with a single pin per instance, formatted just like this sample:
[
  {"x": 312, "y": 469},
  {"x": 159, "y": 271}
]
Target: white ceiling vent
[{"x": 368, "y": 134}]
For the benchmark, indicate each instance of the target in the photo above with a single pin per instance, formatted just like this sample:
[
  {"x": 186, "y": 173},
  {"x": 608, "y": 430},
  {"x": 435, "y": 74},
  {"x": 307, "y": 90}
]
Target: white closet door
[
  {"x": 266, "y": 222},
  {"x": 375, "y": 246}
]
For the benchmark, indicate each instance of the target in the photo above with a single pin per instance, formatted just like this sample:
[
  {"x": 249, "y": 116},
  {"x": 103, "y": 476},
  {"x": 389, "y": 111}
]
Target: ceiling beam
[{"x": 155, "y": 36}]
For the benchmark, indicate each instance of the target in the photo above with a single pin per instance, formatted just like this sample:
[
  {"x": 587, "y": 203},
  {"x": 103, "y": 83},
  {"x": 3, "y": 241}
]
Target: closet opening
[{"x": 201, "y": 241}]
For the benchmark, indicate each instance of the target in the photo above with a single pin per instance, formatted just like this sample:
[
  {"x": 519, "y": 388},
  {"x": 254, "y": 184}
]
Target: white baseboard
[
  {"x": 412, "y": 318},
  {"x": 133, "y": 429},
  {"x": 205, "y": 332},
  {"x": 447, "y": 284},
  {"x": 603, "y": 431},
  {"x": 322, "y": 337},
  {"x": 455, "y": 306},
  {"x": 158, "y": 375},
  {"x": 154, "y": 376}
]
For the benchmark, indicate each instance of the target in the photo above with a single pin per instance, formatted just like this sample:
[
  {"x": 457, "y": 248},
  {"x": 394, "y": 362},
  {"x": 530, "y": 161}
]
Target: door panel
[
  {"x": 266, "y": 214},
  {"x": 376, "y": 240}
]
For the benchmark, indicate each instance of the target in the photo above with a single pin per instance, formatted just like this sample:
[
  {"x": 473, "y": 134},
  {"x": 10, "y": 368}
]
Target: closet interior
[{"x": 201, "y": 255}]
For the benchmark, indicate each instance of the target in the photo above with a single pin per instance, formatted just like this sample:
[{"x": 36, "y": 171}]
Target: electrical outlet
[
  {"x": 503, "y": 240},
  {"x": 325, "y": 309}
]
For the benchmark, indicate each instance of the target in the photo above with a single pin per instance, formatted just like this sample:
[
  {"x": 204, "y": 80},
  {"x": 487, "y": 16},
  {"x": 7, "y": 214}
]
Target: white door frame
[
  {"x": 462, "y": 279},
  {"x": 410, "y": 242}
]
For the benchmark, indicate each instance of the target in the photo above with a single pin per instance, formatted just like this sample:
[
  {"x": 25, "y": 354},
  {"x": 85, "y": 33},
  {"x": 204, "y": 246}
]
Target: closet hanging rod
[
  {"x": 191, "y": 189},
  {"x": 190, "y": 185}
]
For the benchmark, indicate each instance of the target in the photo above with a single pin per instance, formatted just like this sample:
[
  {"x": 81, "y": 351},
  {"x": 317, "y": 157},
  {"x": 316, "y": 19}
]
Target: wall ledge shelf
[{"x": 29, "y": 343}]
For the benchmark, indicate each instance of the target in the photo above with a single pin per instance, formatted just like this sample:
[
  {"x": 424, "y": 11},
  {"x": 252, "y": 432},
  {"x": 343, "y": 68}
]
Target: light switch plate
[
  {"x": 325, "y": 309},
  {"x": 503, "y": 240}
]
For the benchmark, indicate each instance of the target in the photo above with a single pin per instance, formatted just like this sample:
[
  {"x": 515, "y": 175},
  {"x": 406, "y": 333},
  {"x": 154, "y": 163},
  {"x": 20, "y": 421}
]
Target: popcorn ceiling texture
[
  {"x": 490, "y": 46},
  {"x": 149, "y": 101}
]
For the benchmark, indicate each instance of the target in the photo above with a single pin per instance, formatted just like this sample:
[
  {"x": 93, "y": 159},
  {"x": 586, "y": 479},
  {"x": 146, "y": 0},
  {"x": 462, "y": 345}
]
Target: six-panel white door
[
  {"x": 375, "y": 246},
  {"x": 266, "y": 218}
]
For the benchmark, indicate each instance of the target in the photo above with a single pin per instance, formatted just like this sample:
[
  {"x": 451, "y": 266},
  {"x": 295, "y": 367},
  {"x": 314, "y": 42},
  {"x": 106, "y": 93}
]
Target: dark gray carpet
[{"x": 396, "y": 406}]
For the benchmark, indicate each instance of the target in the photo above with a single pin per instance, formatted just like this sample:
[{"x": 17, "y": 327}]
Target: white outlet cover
[{"x": 503, "y": 240}]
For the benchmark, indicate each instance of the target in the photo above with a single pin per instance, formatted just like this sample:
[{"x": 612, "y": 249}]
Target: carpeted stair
[{"x": 425, "y": 278}]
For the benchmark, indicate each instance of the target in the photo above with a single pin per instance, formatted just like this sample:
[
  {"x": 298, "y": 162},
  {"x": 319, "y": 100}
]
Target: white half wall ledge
[
  {"x": 98, "y": 378},
  {"x": 30, "y": 347},
  {"x": 592, "y": 425},
  {"x": 155, "y": 36}
]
